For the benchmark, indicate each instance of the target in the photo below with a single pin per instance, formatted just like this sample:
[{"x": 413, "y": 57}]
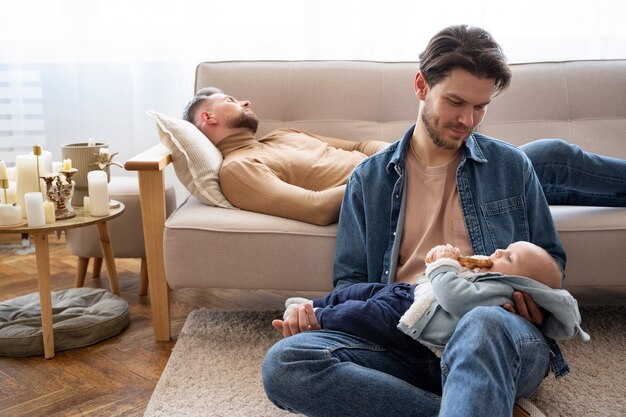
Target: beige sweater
[{"x": 290, "y": 173}]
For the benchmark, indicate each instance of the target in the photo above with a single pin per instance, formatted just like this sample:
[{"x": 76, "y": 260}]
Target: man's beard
[
  {"x": 439, "y": 141},
  {"x": 244, "y": 121}
]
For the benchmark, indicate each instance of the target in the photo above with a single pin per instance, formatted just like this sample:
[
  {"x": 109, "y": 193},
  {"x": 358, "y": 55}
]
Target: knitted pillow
[{"x": 196, "y": 160}]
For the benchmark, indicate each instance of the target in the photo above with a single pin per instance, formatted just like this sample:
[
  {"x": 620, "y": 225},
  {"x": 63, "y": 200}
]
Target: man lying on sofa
[
  {"x": 288, "y": 173},
  {"x": 296, "y": 174}
]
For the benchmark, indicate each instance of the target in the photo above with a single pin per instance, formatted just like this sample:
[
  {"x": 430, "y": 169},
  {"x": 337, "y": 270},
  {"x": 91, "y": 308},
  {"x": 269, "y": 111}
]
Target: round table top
[{"x": 80, "y": 220}]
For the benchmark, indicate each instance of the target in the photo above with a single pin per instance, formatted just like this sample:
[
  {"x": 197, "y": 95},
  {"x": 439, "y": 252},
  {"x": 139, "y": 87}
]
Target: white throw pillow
[{"x": 196, "y": 160}]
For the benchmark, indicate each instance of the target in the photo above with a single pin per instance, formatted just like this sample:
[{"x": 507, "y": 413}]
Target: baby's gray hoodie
[{"x": 445, "y": 294}]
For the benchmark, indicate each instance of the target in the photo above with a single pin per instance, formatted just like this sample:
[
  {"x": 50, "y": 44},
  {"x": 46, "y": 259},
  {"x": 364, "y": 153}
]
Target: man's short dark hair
[
  {"x": 200, "y": 97},
  {"x": 207, "y": 91},
  {"x": 469, "y": 48}
]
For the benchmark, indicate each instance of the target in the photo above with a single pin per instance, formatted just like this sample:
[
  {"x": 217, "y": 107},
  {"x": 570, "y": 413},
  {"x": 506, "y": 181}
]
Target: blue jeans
[
  {"x": 572, "y": 176},
  {"x": 493, "y": 358}
]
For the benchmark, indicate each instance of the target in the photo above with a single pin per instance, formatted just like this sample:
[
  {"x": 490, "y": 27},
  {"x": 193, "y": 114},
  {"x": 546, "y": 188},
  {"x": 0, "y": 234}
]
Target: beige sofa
[{"x": 202, "y": 246}]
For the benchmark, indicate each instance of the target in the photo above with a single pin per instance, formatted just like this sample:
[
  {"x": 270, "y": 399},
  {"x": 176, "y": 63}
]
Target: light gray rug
[{"x": 214, "y": 369}]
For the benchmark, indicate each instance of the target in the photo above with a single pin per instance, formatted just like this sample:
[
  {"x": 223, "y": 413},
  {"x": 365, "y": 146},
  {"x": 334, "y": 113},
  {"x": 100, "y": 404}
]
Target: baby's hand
[{"x": 443, "y": 251}]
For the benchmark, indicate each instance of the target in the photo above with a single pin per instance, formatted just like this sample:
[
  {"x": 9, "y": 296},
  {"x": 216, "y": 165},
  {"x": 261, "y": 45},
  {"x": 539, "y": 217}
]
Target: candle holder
[
  {"x": 37, "y": 149},
  {"x": 4, "y": 184},
  {"x": 83, "y": 156},
  {"x": 10, "y": 214},
  {"x": 59, "y": 189}
]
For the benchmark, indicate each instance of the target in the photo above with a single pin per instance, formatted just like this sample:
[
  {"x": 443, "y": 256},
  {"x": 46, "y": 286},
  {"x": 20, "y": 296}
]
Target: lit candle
[
  {"x": 86, "y": 205},
  {"x": 67, "y": 164},
  {"x": 4, "y": 173},
  {"x": 49, "y": 213},
  {"x": 10, "y": 214},
  {"x": 26, "y": 178},
  {"x": 34, "y": 209},
  {"x": 98, "y": 188}
]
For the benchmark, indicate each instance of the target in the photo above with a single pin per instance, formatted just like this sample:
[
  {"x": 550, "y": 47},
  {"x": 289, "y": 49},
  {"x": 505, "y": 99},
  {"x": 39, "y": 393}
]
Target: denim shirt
[{"x": 500, "y": 196}]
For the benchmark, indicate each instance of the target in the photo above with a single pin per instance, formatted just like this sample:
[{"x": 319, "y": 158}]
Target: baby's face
[{"x": 519, "y": 258}]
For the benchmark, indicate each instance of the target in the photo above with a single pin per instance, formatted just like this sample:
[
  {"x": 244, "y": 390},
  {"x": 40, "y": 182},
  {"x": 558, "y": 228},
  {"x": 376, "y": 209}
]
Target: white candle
[
  {"x": 45, "y": 162},
  {"x": 49, "y": 212},
  {"x": 45, "y": 167},
  {"x": 67, "y": 164},
  {"x": 98, "y": 193},
  {"x": 34, "y": 209},
  {"x": 10, "y": 194},
  {"x": 86, "y": 205},
  {"x": 4, "y": 173},
  {"x": 26, "y": 178},
  {"x": 10, "y": 214}
]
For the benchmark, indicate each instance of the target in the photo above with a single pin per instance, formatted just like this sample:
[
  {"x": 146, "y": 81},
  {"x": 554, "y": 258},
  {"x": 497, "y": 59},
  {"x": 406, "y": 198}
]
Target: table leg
[
  {"x": 107, "y": 252},
  {"x": 45, "y": 298}
]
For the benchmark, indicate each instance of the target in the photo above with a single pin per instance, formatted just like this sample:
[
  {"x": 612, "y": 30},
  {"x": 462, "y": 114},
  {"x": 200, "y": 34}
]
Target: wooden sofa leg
[
  {"x": 150, "y": 166},
  {"x": 143, "y": 278},
  {"x": 81, "y": 271},
  {"x": 152, "y": 196}
]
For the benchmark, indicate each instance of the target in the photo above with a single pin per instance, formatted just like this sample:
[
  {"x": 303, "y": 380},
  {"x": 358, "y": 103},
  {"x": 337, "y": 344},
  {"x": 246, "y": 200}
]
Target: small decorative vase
[
  {"x": 59, "y": 190},
  {"x": 85, "y": 158}
]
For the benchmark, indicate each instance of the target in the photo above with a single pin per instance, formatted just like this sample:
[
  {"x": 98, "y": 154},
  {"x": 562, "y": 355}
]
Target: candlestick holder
[
  {"x": 37, "y": 149},
  {"x": 59, "y": 189},
  {"x": 10, "y": 214},
  {"x": 4, "y": 184}
]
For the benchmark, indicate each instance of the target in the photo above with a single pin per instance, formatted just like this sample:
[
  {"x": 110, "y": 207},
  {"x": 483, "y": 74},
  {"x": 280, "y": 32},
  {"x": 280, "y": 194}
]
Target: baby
[{"x": 429, "y": 310}]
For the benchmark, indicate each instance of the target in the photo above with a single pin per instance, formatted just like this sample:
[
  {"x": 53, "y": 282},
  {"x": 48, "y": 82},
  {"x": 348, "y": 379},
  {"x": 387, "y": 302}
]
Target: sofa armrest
[
  {"x": 150, "y": 166},
  {"x": 153, "y": 159}
]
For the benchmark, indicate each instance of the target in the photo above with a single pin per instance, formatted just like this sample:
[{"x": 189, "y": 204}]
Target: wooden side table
[{"x": 42, "y": 253}]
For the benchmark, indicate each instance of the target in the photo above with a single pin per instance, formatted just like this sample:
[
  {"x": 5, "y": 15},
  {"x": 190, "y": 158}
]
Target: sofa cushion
[
  {"x": 211, "y": 247},
  {"x": 80, "y": 316},
  {"x": 196, "y": 160}
]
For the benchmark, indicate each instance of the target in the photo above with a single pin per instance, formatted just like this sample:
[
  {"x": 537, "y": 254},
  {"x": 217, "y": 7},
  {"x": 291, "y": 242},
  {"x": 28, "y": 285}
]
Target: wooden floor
[
  {"x": 112, "y": 378},
  {"x": 115, "y": 377}
]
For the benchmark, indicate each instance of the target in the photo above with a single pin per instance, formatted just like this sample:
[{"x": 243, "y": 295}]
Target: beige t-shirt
[{"x": 433, "y": 215}]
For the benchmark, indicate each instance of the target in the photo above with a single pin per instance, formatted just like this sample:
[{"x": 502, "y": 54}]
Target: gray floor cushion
[{"x": 81, "y": 317}]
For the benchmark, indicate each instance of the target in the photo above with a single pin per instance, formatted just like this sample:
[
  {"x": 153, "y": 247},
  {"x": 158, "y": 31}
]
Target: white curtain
[{"x": 74, "y": 69}]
